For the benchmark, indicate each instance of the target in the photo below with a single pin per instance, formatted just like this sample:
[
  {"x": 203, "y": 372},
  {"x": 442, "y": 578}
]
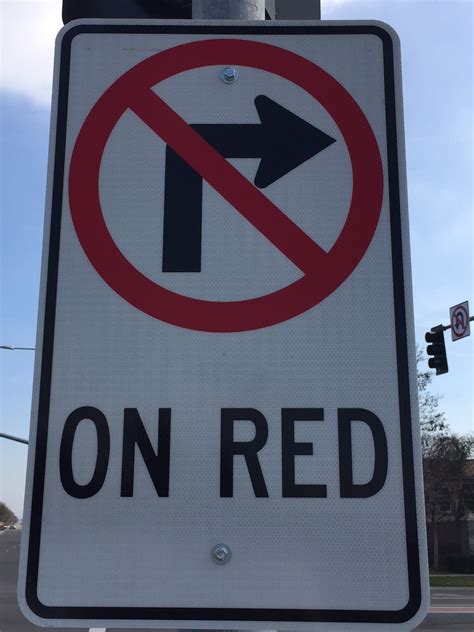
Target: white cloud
[
  {"x": 28, "y": 29},
  {"x": 330, "y": 8}
]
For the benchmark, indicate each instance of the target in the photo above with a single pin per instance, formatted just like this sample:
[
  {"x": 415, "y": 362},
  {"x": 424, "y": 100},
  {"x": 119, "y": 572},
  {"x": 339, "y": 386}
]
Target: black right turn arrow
[{"x": 282, "y": 140}]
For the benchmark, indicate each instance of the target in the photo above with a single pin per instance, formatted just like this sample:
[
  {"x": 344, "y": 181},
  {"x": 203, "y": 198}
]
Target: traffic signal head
[{"x": 437, "y": 350}]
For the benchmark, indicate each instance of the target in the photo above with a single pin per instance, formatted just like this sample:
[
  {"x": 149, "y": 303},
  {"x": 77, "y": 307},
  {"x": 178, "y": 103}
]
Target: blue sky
[{"x": 437, "y": 53}]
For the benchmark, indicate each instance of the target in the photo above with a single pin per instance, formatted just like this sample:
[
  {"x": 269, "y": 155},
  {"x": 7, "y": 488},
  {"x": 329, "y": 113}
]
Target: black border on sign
[{"x": 409, "y": 490}]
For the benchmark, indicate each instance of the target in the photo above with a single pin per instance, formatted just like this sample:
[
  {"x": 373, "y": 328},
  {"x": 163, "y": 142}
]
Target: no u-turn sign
[{"x": 224, "y": 420}]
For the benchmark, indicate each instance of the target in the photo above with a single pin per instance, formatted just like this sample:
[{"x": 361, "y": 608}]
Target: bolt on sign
[{"x": 225, "y": 428}]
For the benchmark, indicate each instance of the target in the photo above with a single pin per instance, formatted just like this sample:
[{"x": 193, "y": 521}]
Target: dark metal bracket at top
[{"x": 137, "y": 9}]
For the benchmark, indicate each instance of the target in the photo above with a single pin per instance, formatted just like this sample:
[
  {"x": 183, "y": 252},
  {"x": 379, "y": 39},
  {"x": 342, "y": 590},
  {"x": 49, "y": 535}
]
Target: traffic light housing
[{"x": 437, "y": 350}]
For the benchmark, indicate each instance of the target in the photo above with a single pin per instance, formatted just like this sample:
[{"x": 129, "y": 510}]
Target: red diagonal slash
[{"x": 230, "y": 183}]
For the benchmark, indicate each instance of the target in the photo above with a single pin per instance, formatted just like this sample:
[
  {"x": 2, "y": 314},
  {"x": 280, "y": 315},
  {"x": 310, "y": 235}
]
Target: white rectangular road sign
[
  {"x": 459, "y": 320},
  {"x": 224, "y": 427}
]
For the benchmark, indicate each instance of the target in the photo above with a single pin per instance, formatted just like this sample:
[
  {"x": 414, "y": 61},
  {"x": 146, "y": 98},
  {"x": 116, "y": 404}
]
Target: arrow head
[{"x": 287, "y": 141}]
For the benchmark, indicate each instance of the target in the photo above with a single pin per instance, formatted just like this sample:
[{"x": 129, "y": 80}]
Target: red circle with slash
[
  {"x": 463, "y": 321},
  {"x": 323, "y": 271}
]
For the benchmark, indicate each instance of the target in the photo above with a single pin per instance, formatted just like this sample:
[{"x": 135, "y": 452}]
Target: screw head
[
  {"x": 221, "y": 554},
  {"x": 229, "y": 75}
]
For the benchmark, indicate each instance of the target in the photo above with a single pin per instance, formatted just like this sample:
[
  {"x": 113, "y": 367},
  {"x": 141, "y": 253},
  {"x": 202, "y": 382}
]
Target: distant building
[{"x": 456, "y": 527}]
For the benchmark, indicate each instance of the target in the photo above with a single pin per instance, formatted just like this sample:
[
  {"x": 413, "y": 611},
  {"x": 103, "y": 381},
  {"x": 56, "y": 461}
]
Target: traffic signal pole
[
  {"x": 446, "y": 327},
  {"x": 4, "y": 435}
]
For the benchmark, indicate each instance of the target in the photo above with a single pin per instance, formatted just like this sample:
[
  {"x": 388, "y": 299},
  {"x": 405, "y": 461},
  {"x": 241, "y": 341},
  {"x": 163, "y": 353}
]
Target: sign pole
[{"x": 230, "y": 10}]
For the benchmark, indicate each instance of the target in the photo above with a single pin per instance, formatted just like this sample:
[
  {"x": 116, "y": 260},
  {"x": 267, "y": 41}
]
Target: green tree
[
  {"x": 6, "y": 514},
  {"x": 444, "y": 463}
]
